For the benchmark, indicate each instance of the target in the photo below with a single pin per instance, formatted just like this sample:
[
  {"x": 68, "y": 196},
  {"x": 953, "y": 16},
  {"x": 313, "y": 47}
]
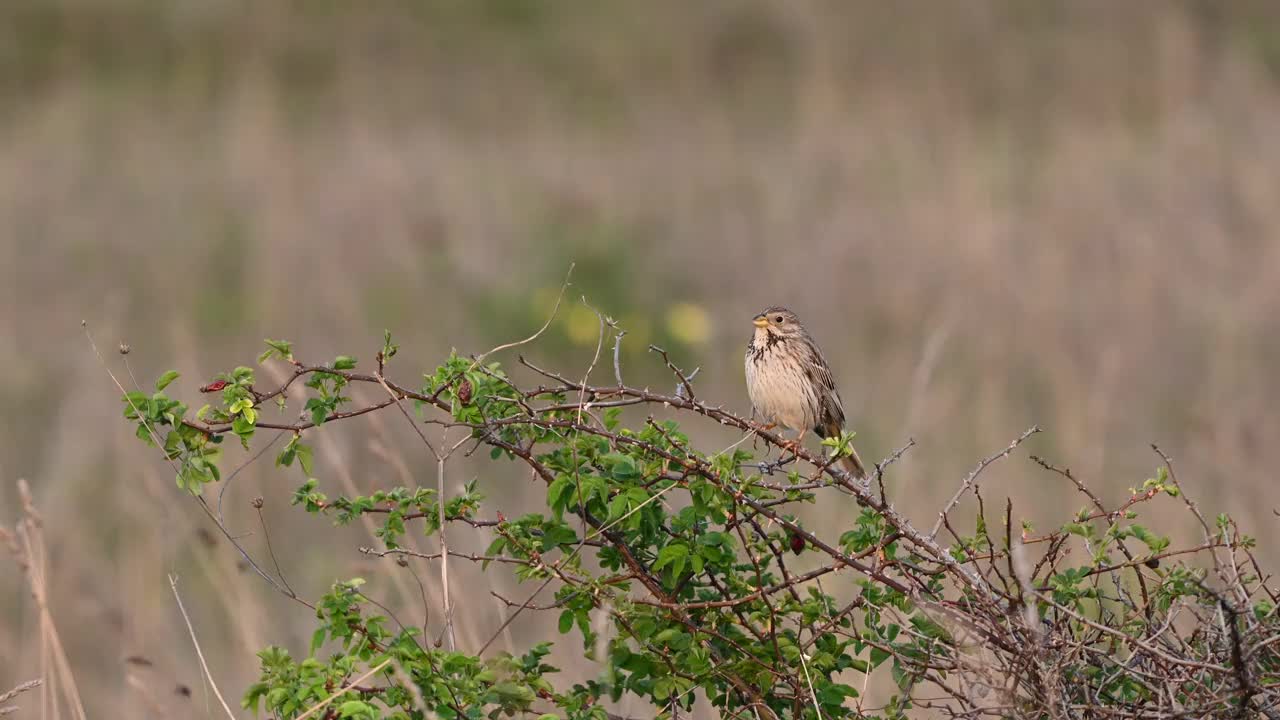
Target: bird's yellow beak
[{"x": 760, "y": 321}]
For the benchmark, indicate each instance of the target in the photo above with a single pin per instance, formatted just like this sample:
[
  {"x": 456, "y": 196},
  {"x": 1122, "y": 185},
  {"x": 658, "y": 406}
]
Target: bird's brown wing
[{"x": 830, "y": 410}]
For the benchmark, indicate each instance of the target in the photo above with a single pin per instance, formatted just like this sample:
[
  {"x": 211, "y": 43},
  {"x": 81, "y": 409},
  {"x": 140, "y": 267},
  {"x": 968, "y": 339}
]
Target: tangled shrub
[{"x": 671, "y": 563}]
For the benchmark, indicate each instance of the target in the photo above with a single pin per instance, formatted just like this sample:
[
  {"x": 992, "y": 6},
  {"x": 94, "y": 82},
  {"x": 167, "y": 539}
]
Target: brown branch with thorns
[{"x": 994, "y": 624}]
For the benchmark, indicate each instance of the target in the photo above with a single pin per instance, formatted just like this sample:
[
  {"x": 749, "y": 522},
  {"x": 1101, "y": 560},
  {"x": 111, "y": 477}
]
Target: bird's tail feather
[{"x": 853, "y": 465}]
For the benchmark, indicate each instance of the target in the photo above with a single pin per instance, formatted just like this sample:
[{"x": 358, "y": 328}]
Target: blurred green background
[{"x": 990, "y": 214}]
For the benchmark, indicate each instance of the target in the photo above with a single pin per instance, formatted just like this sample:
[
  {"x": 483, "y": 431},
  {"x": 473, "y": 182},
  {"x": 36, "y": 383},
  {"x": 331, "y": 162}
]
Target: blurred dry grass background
[{"x": 991, "y": 214}]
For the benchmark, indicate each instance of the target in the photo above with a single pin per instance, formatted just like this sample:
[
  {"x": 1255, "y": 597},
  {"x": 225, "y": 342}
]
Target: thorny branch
[{"x": 1019, "y": 628}]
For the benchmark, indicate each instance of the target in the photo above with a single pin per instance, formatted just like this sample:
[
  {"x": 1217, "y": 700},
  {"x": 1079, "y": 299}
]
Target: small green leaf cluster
[
  {"x": 239, "y": 404},
  {"x": 476, "y": 394},
  {"x": 393, "y": 506},
  {"x": 449, "y": 684},
  {"x": 536, "y": 539},
  {"x": 1100, "y": 544},
  {"x": 282, "y": 349},
  {"x": 1161, "y": 483},
  {"x": 194, "y": 451},
  {"x": 327, "y": 390},
  {"x": 297, "y": 450},
  {"x": 841, "y": 445}
]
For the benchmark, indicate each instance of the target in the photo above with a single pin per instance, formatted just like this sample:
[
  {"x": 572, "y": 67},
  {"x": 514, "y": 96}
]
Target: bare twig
[
  {"x": 617, "y": 363},
  {"x": 969, "y": 479},
  {"x": 507, "y": 346},
  {"x": 684, "y": 390},
  {"x": 173, "y": 584},
  {"x": 226, "y": 482},
  {"x": 266, "y": 535},
  {"x": 444, "y": 557},
  {"x": 883, "y": 464}
]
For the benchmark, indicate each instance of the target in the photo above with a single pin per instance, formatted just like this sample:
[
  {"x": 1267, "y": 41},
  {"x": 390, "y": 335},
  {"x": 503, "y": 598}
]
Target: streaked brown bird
[{"x": 790, "y": 383}]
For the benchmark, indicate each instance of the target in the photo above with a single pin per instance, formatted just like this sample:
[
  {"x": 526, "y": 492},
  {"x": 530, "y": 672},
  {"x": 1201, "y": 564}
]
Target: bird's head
[{"x": 777, "y": 323}]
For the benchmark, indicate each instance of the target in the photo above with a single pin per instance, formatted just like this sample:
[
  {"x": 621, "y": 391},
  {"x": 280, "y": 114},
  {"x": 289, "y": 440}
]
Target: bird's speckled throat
[{"x": 760, "y": 343}]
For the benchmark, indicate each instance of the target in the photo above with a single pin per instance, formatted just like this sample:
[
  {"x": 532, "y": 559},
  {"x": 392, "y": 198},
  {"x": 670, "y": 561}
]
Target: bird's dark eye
[{"x": 777, "y": 318}]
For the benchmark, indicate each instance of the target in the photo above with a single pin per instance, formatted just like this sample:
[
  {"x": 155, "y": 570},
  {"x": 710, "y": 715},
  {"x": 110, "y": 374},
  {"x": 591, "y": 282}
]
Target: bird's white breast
[{"x": 779, "y": 388}]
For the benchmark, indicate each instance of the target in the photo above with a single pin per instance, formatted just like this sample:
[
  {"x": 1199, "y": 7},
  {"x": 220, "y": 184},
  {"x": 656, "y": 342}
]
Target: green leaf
[
  {"x": 559, "y": 492},
  {"x": 354, "y": 708},
  {"x": 304, "y": 458},
  {"x": 834, "y": 694},
  {"x": 674, "y": 555},
  {"x": 928, "y": 627},
  {"x": 903, "y": 679},
  {"x": 132, "y": 400},
  {"x": 276, "y": 697},
  {"x": 281, "y": 348},
  {"x": 253, "y": 696},
  {"x": 389, "y": 349},
  {"x": 290, "y": 451},
  {"x": 344, "y": 362},
  {"x": 319, "y": 410},
  {"x": 566, "y": 621},
  {"x": 317, "y": 639},
  {"x": 513, "y": 694},
  {"x": 618, "y": 507},
  {"x": 623, "y": 467},
  {"x": 165, "y": 379},
  {"x": 242, "y": 428}
]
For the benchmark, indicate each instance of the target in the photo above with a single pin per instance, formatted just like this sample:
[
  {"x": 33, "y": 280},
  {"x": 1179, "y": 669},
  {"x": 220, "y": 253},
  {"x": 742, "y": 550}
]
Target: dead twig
[
  {"x": 173, "y": 584},
  {"x": 972, "y": 476}
]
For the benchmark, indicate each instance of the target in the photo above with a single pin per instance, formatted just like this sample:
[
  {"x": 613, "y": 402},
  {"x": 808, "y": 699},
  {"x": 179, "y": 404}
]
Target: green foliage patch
[{"x": 676, "y": 569}]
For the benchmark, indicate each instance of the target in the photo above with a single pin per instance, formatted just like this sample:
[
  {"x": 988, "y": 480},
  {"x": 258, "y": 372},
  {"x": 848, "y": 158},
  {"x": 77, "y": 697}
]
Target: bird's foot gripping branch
[{"x": 685, "y": 573}]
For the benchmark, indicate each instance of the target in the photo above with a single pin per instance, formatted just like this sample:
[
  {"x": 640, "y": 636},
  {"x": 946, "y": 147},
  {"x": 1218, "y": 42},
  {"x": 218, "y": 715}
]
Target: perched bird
[{"x": 790, "y": 383}]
